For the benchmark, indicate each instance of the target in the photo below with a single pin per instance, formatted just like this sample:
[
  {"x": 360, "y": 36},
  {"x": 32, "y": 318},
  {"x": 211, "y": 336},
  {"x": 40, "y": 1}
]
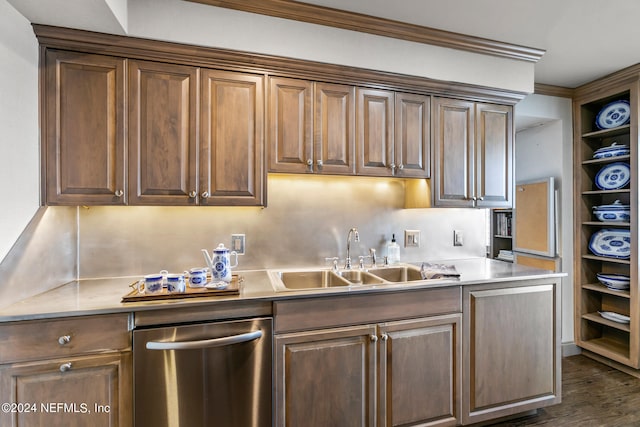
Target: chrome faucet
[{"x": 356, "y": 238}]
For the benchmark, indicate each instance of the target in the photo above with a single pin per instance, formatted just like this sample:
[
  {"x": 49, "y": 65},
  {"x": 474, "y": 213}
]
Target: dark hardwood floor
[{"x": 593, "y": 395}]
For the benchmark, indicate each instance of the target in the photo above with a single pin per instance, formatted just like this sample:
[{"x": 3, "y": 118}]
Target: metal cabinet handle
[
  {"x": 374, "y": 338},
  {"x": 64, "y": 339},
  {"x": 319, "y": 163},
  {"x": 192, "y": 193},
  {"x": 310, "y": 165},
  {"x": 400, "y": 166},
  {"x": 119, "y": 193},
  {"x": 205, "y": 195},
  {"x": 384, "y": 337},
  {"x": 214, "y": 342},
  {"x": 65, "y": 367}
]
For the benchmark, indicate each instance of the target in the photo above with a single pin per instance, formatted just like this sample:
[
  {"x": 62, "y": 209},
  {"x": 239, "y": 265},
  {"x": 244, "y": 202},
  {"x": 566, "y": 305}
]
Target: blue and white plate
[
  {"x": 613, "y": 176},
  {"x": 614, "y": 114},
  {"x": 611, "y": 243},
  {"x": 613, "y": 150}
]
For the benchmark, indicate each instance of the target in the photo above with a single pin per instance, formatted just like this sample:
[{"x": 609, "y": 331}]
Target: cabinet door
[
  {"x": 494, "y": 156},
  {"x": 421, "y": 372},
  {"x": 232, "y": 147},
  {"x": 80, "y": 391},
  {"x": 375, "y": 124},
  {"x": 162, "y": 133},
  {"x": 334, "y": 121},
  {"x": 84, "y": 129},
  {"x": 413, "y": 139},
  {"x": 326, "y": 377},
  {"x": 453, "y": 134},
  {"x": 290, "y": 125},
  {"x": 512, "y": 360}
]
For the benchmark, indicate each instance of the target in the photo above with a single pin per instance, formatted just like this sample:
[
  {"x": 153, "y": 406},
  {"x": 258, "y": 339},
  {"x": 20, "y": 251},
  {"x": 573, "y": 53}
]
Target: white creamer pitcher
[{"x": 220, "y": 263}]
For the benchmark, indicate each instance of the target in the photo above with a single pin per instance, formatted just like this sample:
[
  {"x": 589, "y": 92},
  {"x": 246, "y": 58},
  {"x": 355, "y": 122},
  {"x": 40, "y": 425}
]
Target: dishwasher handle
[{"x": 200, "y": 344}]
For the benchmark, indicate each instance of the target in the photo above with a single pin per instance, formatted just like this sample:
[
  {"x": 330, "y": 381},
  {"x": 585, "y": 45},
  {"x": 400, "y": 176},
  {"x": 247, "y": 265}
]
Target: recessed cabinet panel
[
  {"x": 334, "y": 132},
  {"x": 494, "y": 155},
  {"x": 375, "y": 150},
  {"x": 162, "y": 133},
  {"x": 513, "y": 354},
  {"x": 231, "y": 167},
  {"x": 326, "y": 377},
  {"x": 84, "y": 129},
  {"x": 453, "y": 129},
  {"x": 421, "y": 371},
  {"x": 290, "y": 125},
  {"x": 78, "y": 391},
  {"x": 413, "y": 139}
]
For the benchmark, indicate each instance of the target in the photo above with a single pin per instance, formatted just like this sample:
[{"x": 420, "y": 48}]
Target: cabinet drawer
[
  {"x": 40, "y": 339},
  {"x": 313, "y": 313}
]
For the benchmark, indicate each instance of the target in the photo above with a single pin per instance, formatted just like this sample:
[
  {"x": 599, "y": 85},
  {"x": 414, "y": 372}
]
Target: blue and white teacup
[
  {"x": 197, "y": 277},
  {"x": 175, "y": 283},
  {"x": 152, "y": 284}
]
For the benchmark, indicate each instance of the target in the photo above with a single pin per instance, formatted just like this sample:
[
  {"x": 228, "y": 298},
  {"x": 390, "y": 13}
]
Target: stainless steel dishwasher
[{"x": 204, "y": 374}]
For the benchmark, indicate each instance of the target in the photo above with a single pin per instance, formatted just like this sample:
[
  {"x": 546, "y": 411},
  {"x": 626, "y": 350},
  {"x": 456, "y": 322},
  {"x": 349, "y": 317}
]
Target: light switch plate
[
  {"x": 237, "y": 243},
  {"x": 457, "y": 238},
  {"x": 411, "y": 238}
]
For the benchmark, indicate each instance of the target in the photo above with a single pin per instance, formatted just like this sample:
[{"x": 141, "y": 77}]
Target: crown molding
[
  {"x": 550, "y": 90},
  {"x": 298, "y": 11},
  {"x": 154, "y": 50}
]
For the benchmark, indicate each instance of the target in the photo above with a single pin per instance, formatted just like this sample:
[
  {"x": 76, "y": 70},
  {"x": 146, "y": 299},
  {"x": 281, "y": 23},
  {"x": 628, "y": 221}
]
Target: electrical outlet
[
  {"x": 411, "y": 238},
  {"x": 457, "y": 238},
  {"x": 237, "y": 243}
]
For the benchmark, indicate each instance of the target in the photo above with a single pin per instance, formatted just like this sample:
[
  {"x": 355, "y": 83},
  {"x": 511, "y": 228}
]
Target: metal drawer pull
[
  {"x": 194, "y": 345},
  {"x": 65, "y": 339},
  {"x": 384, "y": 337},
  {"x": 65, "y": 367},
  {"x": 374, "y": 338}
]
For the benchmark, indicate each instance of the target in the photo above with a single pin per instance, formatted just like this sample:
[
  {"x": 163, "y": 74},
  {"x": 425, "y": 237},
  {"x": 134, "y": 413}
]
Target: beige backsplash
[{"x": 307, "y": 220}]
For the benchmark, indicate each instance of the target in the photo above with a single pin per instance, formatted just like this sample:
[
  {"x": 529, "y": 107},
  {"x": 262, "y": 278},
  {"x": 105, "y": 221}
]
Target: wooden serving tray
[{"x": 232, "y": 289}]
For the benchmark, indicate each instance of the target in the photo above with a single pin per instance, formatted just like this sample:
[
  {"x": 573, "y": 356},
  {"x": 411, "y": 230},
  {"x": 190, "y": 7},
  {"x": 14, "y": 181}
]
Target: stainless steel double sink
[{"x": 292, "y": 280}]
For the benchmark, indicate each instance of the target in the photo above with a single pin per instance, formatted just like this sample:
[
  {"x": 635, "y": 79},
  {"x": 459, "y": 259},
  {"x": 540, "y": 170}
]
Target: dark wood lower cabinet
[
  {"x": 512, "y": 349},
  {"x": 388, "y": 374}
]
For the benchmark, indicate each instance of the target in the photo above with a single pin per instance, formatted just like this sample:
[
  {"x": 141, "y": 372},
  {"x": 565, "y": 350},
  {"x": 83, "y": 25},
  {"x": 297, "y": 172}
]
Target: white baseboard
[{"x": 570, "y": 349}]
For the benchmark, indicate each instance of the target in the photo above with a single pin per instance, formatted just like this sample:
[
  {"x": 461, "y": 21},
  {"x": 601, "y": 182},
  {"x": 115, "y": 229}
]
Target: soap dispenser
[{"x": 393, "y": 251}]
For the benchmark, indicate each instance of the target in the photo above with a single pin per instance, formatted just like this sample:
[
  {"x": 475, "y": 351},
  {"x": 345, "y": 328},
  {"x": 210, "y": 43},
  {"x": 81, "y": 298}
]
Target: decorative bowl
[
  {"x": 614, "y": 114},
  {"x": 614, "y": 281},
  {"x": 615, "y": 212}
]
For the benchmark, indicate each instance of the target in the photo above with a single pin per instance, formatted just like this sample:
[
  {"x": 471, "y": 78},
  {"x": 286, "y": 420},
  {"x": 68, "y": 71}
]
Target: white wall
[
  {"x": 19, "y": 154},
  {"x": 199, "y": 24},
  {"x": 546, "y": 149}
]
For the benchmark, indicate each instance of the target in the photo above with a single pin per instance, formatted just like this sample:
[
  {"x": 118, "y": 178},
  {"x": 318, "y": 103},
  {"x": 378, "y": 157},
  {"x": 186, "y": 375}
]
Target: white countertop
[{"x": 101, "y": 296}]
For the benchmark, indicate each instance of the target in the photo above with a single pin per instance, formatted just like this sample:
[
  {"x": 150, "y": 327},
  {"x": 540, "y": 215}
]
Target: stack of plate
[
  {"x": 614, "y": 114},
  {"x": 614, "y": 150},
  {"x": 616, "y": 282},
  {"x": 615, "y": 212}
]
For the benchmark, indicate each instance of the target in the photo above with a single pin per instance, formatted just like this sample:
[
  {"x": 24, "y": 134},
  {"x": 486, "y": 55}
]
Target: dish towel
[{"x": 438, "y": 271}]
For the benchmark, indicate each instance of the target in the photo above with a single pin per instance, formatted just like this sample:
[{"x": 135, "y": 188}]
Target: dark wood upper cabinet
[
  {"x": 494, "y": 155},
  {"x": 473, "y": 154},
  {"x": 290, "y": 124},
  {"x": 334, "y": 133},
  {"x": 375, "y": 132},
  {"x": 83, "y": 142},
  {"x": 413, "y": 135},
  {"x": 232, "y": 139},
  {"x": 162, "y": 133}
]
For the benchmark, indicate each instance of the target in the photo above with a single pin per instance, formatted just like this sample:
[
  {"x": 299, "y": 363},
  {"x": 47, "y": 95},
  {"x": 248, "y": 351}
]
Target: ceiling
[{"x": 583, "y": 39}]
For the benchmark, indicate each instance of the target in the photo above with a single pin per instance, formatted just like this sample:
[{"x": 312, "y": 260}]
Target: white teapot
[{"x": 220, "y": 263}]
